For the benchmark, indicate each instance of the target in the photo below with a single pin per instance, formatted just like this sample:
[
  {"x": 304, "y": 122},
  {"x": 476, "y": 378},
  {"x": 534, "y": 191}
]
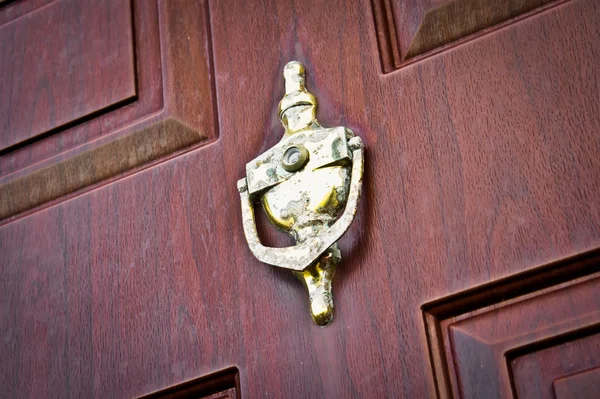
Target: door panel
[
  {"x": 582, "y": 385},
  {"x": 566, "y": 369},
  {"x": 489, "y": 341},
  {"x": 409, "y": 30},
  {"x": 223, "y": 384},
  {"x": 482, "y": 163},
  {"x": 166, "y": 108},
  {"x": 49, "y": 66}
]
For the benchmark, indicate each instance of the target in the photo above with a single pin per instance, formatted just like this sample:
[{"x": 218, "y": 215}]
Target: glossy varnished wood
[
  {"x": 99, "y": 163},
  {"x": 585, "y": 385},
  {"x": 565, "y": 369},
  {"x": 486, "y": 341},
  {"x": 481, "y": 162},
  {"x": 433, "y": 23},
  {"x": 224, "y": 384},
  {"x": 409, "y": 29},
  {"x": 172, "y": 112},
  {"x": 63, "y": 62}
]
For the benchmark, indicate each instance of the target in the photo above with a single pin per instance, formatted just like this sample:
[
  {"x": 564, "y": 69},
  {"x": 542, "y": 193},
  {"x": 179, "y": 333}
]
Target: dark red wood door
[{"x": 472, "y": 267}]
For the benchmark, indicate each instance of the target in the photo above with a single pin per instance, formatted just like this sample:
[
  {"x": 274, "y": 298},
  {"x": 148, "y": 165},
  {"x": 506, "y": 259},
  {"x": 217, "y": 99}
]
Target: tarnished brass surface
[{"x": 309, "y": 185}]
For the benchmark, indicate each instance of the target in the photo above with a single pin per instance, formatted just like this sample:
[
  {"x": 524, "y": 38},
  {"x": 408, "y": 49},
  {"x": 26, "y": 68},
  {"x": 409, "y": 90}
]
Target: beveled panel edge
[
  {"x": 581, "y": 379},
  {"x": 390, "y": 54},
  {"x": 183, "y": 74},
  {"x": 129, "y": 98},
  {"x": 492, "y": 293},
  {"x": 114, "y": 158},
  {"x": 583, "y": 331},
  {"x": 209, "y": 385},
  {"x": 23, "y": 9},
  {"x": 118, "y": 115},
  {"x": 185, "y": 123},
  {"x": 448, "y": 22}
]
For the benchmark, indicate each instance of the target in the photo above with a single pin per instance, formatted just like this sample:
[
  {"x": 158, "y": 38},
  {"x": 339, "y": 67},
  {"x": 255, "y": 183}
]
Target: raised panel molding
[
  {"x": 561, "y": 368},
  {"x": 83, "y": 67},
  {"x": 224, "y": 384},
  {"x": 584, "y": 385},
  {"x": 479, "y": 339},
  {"x": 172, "y": 111},
  {"x": 409, "y": 30}
]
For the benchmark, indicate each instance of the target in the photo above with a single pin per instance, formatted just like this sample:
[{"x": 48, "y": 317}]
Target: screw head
[{"x": 294, "y": 158}]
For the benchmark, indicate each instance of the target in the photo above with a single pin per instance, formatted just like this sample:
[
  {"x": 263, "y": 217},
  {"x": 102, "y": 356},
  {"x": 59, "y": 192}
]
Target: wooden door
[{"x": 472, "y": 269}]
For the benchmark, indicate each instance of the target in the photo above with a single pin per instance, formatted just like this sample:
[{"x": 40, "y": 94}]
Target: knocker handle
[{"x": 300, "y": 256}]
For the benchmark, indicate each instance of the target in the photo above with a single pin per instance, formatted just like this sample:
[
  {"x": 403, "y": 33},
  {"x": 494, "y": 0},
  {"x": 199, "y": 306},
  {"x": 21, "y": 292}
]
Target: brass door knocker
[{"x": 309, "y": 185}]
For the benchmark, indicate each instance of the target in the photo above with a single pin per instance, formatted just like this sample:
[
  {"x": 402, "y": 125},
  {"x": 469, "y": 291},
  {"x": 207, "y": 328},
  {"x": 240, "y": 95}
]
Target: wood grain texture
[
  {"x": 175, "y": 111},
  {"x": 584, "y": 385},
  {"x": 481, "y": 162},
  {"x": 482, "y": 343},
  {"x": 426, "y": 25},
  {"x": 83, "y": 67},
  {"x": 224, "y": 384},
  {"x": 538, "y": 374},
  {"x": 471, "y": 333},
  {"x": 445, "y": 21},
  {"x": 96, "y": 165}
]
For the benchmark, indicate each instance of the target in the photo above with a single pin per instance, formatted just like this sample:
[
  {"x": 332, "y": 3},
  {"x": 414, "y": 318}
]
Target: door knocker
[{"x": 309, "y": 185}]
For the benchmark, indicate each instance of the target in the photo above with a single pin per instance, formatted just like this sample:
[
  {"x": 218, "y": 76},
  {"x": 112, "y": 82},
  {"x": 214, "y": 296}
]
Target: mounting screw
[{"x": 294, "y": 158}]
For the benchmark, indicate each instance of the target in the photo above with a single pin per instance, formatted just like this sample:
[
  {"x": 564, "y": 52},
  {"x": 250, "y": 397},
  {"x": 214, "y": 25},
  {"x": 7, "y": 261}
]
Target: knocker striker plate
[{"x": 309, "y": 185}]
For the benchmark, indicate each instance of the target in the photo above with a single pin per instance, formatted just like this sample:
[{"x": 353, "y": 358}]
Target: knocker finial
[
  {"x": 309, "y": 185},
  {"x": 298, "y": 108}
]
